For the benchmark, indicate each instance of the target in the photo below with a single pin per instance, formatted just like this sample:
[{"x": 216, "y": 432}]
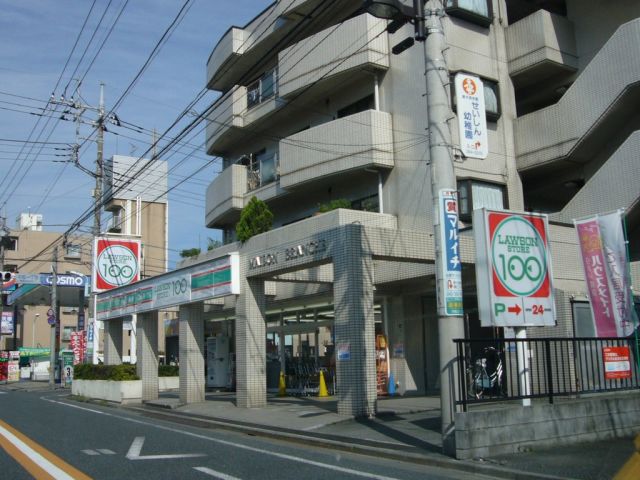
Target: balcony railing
[{"x": 490, "y": 370}]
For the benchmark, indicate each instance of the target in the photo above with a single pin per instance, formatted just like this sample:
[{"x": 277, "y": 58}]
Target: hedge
[{"x": 88, "y": 371}]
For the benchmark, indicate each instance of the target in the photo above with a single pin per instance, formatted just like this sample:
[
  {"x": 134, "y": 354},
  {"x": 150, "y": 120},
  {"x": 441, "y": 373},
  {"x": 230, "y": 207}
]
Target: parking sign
[{"x": 513, "y": 269}]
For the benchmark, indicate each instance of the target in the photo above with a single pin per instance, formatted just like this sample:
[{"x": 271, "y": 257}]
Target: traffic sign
[{"x": 513, "y": 269}]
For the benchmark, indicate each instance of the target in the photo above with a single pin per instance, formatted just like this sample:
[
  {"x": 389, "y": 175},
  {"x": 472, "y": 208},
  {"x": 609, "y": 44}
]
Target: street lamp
[{"x": 429, "y": 31}]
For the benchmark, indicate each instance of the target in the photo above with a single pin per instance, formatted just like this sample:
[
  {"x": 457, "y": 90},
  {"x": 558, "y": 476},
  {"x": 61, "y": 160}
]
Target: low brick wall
[{"x": 484, "y": 433}]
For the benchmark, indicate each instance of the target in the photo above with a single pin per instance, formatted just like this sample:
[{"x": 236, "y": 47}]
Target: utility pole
[
  {"x": 53, "y": 312},
  {"x": 427, "y": 21},
  {"x": 97, "y": 194}
]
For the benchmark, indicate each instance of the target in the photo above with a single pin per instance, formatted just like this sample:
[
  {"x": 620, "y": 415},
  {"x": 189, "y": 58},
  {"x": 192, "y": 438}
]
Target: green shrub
[
  {"x": 334, "y": 204},
  {"x": 255, "y": 218},
  {"x": 168, "y": 370},
  {"x": 88, "y": 371}
]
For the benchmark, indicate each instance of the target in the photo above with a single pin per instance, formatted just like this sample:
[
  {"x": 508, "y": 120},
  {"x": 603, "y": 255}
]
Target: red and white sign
[
  {"x": 616, "y": 363},
  {"x": 116, "y": 263},
  {"x": 513, "y": 269}
]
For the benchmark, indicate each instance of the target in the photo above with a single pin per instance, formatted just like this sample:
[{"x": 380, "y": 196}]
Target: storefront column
[
  {"x": 113, "y": 341},
  {"x": 354, "y": 324},
  {"x": 191, "y": 349},
  {"x": 147, "y": 354},
  {"x": 251, "y": 378}
]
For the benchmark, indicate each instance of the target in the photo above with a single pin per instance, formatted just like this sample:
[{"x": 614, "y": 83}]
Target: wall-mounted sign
[
  {"x": 64, "y": 280},
  {"x": 116, "y": 262},
  {"x": 616, "y": 363},
  {"x": 310, "y": 248},
  {"x": 6, "y": 325},
  {"x": 472, "y": 121},
  {"x": 513, "y": 269}
]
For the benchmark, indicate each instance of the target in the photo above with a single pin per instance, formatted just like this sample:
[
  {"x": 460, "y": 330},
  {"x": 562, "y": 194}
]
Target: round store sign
[
  {"x": 513, "y": 269},
  {"x": 117, "y": 263}
]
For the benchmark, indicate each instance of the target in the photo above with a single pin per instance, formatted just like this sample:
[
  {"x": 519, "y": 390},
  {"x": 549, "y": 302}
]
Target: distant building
[{"x": 29, "y": 221}]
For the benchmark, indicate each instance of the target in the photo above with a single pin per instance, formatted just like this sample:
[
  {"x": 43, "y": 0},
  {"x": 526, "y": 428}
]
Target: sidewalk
[{"x": 406, "y": 428}]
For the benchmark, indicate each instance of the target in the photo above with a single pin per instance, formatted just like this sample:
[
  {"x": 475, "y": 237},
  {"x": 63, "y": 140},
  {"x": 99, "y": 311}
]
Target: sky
[{"x": 38, "y": 59}]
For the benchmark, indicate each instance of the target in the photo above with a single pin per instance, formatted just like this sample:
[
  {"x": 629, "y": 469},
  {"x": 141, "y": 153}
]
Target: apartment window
[
  {"x": 262, "y": 89},
  {"x": 366, "y": 103},
  {"x": 73, "y": 250},
  {"x": 268, "y": 168},
  {"x": 10, "y": 243},
  {"x": 474, "y": 194},
  {"x": 476, "y": 11},
  {"x": 491, "y": 98},
  {"x": 262, "y": 168},
  {"x": 66, "y": 333}
]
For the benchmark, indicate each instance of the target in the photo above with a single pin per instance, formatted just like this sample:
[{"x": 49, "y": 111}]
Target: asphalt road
[{"x": 111, "y": 443}]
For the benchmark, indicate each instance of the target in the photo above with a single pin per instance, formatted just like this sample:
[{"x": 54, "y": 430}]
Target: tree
[
  {"x": 255, "y": 218},
  {"x": 190, "y": 252}
]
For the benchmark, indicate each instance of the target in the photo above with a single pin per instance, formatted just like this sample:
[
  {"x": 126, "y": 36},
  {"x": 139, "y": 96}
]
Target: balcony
[
  {"x": 359, "y": 141},
  {"x": 225, "y": 120},
  {"x": 539, "y": 47},
  {"x": 225, "y": 196},
  {"x": 354, "y": 48},
  {"x": 225, "y": 56},
  {"x": 598, "y": 107}
]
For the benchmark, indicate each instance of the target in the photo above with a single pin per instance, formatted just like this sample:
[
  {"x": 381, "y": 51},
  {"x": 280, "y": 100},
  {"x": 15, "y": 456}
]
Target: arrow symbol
[
  {"x": 515, "y": 309},
  {"x": 136, "y": 448}
]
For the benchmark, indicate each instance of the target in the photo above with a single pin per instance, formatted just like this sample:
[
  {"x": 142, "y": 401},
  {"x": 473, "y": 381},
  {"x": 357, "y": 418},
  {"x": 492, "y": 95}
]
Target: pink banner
[{"x": 596, "y": 277}]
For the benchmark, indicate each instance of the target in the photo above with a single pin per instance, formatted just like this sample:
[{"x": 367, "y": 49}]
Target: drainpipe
[{"x": 380, "y": 201}]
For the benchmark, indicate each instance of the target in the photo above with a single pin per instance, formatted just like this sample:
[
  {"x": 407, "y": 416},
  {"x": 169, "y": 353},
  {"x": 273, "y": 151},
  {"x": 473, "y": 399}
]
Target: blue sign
[
  {"x": 450, "y": 243},
  {"x": 90, "y": 333},
  {"x": 64, "y": 280}
]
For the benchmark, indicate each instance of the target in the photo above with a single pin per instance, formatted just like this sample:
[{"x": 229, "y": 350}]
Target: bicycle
[{"x": 485, "y": 374}]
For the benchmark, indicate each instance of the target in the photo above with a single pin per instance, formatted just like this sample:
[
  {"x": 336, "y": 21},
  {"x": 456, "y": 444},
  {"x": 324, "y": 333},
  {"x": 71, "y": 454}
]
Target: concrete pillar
[
  {"x": 251, "y": 378},
  {"x": 147, "y": 354},
  {"x": 113, "y": 341},
  {"x": 354, "y": 324},
  {"x": 191, "y": 351}
]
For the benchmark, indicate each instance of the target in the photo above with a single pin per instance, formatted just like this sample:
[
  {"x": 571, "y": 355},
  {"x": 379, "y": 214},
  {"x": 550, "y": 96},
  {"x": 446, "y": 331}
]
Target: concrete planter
[
  {"x": 168, "y": 383},
  {"x": 129, "y": 391}
]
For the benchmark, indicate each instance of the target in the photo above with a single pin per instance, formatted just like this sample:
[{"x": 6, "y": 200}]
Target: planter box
[
  {"x": 124, "y": 392},
  {"x": 168, "y": 383}
]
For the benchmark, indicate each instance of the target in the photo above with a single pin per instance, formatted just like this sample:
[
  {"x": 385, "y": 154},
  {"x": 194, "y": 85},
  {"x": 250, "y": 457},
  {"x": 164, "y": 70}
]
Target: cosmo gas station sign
[{"x": 513, "y": 269}]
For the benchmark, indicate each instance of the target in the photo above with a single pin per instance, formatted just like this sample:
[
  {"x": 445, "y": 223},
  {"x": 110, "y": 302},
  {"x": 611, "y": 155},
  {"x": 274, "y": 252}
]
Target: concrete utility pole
[
  {"x": 97, "y": 194},
  {"x": 427, "y": 21},
  {"x": 54, "y": 310}
]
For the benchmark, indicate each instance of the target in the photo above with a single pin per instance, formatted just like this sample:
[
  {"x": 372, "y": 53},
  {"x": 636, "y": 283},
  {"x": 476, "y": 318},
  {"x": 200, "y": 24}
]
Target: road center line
[
  {"x": 213, "y": 473},
  {"x": 37, "y": 460}
]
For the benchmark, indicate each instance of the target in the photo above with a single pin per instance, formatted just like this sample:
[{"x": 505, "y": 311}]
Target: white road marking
[
  {"x": 243, "y": 447},
  {"x": 34, "y": 456},
  {"x": 75, "y": 406},
  {"x": 89, "y": 452},
  {"x": 213, "y": 473},
  {"x": 105, "y": 451},
  {"x": 136, "y": 448}
]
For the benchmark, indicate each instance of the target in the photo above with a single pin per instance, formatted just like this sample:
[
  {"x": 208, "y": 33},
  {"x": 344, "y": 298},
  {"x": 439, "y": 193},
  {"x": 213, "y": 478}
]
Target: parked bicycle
[{"x": 485, "y": 375}]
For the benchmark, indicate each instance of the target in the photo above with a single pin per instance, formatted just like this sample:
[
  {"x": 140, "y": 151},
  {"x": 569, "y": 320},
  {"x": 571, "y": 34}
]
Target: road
[{"x": 47, "y": 432}]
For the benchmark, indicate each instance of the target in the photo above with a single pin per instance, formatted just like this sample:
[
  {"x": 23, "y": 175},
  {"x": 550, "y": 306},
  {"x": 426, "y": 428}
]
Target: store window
[
  {"x": 476, "y": 11},
  {"x": 491, "y": 98},
  {"x": 473, "y": 194}
]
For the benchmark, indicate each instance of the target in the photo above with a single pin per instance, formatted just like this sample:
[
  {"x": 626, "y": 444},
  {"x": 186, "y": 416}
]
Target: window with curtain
[
  {"x": 476, "y": 11},
  {"x": 491, "y": 98},
  {"x": 474, "y": 194}
]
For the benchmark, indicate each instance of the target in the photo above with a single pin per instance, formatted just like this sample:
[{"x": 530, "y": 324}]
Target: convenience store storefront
[{"x": 242, "y": 286}]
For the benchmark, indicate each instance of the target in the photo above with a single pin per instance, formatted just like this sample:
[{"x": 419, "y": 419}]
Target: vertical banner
[
  {"x": 450, "y": 298},
  {"x": 606, "y": 272},
  {"x": 472, "y": 120}
]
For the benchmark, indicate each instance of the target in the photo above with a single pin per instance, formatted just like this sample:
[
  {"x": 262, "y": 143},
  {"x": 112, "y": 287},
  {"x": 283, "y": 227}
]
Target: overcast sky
[{"x": 37, "y": 38}]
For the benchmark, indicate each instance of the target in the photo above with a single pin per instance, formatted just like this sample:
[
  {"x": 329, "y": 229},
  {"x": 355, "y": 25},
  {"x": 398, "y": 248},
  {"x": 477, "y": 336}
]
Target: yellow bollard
[
  {"x": 282, "y": 386},
  {"x": 322, "y": 390}
]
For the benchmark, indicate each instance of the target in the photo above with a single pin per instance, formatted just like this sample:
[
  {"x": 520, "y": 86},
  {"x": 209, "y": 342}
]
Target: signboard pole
[{"x": 524, "y": 377}]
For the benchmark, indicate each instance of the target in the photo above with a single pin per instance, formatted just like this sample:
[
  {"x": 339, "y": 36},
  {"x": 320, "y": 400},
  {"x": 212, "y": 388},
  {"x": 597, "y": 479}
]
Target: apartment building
[
  {"x": 29, "y": 250},
  {"x": 314, "y": 107}
]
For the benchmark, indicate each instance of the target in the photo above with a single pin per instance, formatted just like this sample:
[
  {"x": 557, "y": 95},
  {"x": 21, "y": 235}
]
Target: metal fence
[{"x": 493, "y": 370}]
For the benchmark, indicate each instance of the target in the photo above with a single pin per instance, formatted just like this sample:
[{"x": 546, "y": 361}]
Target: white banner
[{"x": 472, "y": 119}]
